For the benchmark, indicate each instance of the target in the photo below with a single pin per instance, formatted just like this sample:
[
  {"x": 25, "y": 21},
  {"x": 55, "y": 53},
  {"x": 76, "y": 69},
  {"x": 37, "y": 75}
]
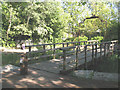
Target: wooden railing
[
  {"x": 53, "y": 51},
  {"x": 89, "y": 46},
  {"x": 90, "y": 50},
  {"x": 63, "y": 44}
]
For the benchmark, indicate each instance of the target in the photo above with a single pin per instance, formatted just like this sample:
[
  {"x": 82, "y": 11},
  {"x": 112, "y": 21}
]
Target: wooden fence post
[
  {"x": 101, "y": 51},
  {"x": 114, "y": 46},
  {"x": 23, "y": 65},
  {"x": 67, "y": 44},
  {"x": 53, "y": 51},
  {"x": 76, "y": 57},
  {"x": 30, "y": 49},
  {"x": 85, "y": 57},
  {"x": 93, "y": 54},
  {"x": 44, "y": 49},
  {"x": 64, "y": 60},
  {"x": 104, "y": 49},
  {"x": 108, "y": 44},
  {"x": 107, "y": 48},
  {"x": 63, "y": 44}
]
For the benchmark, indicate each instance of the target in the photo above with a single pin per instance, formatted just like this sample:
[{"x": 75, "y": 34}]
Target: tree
[{"x": 39, "y": 20}]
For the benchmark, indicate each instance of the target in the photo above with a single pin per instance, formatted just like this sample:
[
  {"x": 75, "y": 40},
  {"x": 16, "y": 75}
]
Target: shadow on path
[{"x": 43, "y": 79}]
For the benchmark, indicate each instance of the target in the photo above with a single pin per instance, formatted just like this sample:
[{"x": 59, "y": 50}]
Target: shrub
[
  {"x": 69, "y": 40},
  {"x": 77, "y": 39},
  {"x": 99, "y": 38},
  {"x": 80, "y": 38}
]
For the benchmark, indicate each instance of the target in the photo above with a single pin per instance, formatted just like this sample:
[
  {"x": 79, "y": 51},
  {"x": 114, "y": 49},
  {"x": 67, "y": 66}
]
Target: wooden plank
[
  {"x": 41, "y": 51},
  {"x": 58, "y": 43},
  {"x": 50, "y": 44},
  {"x": 67, "y": 48}
]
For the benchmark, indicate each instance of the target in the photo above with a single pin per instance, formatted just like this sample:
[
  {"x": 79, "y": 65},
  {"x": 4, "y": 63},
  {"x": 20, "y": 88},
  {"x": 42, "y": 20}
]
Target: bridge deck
[
  {"x": 45, "y": 75},
  {"x": 55, "y": 65}
]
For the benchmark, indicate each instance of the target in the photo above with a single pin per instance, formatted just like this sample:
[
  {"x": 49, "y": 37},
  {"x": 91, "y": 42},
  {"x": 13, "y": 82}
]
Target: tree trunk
[
  {"x": 9, "y": 25},
  {"x": 28, "y": 20}
]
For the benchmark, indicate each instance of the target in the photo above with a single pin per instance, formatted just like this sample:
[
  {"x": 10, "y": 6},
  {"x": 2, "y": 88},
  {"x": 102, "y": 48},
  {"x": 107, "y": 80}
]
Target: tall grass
[
  {"x": 109, "y": 64},
  {"x": 10, "y": 58}
]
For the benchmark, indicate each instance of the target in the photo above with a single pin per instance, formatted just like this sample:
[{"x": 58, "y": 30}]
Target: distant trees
[{"x": 51, "y": 22}]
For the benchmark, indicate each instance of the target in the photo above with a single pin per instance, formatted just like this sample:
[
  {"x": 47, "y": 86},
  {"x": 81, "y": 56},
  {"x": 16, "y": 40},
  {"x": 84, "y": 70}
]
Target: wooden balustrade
[
  {"x": 55, "y": 44},
  {"x": 95, "y": 52},
  {"x": 94, "y": 48}
]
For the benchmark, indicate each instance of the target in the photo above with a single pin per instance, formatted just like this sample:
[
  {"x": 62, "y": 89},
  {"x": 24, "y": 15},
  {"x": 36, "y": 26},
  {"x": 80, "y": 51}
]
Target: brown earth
[{"x": 44, "y": 79}]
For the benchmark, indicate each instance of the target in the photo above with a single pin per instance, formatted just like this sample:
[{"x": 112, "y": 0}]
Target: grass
[
  {"x": 109, "y": 64},
  {"x": 14, "y": 59}
]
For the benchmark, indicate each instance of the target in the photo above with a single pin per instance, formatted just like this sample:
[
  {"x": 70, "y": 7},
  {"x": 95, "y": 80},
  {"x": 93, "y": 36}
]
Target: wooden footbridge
[
  {"x": 69, "y": 56},
  {"x": 60, "y": 58}
]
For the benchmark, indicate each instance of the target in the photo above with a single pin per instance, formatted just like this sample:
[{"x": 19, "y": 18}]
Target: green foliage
[
  {"x": 80, "y": 38},
  {"x": 51, "y": 22},
  {"x": 69, "y": 40},
  {"x": 42, "y": 21},
  {"x": 99, "y": 38},
  {"x": 10, "y": 58},
  {"x": 109, "y": 64},
  {"x": 77, "y": 39}
]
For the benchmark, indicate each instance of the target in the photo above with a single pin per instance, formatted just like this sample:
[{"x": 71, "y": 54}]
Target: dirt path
[
  {"x": 43, "y": 79},
  {"x": 56, "y": 65},
  {"x": 46, "y": 75}
]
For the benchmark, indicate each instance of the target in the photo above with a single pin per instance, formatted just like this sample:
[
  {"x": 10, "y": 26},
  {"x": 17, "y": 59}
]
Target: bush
[
  {"x": 69, "y": 40},
  {"x": 80, "y": 38},
  {"x": 99, "y": 38},
  {"x": 77, "y": 39}
]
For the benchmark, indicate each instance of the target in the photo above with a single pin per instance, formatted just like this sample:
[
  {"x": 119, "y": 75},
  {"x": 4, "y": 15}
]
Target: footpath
[{"x": 45, "y": 74}]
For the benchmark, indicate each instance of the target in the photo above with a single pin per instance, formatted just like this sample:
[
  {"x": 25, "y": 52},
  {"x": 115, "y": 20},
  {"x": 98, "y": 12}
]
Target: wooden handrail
[
  {"x": 94, "y": 49},
  {"x": 60, "y": 43}
]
